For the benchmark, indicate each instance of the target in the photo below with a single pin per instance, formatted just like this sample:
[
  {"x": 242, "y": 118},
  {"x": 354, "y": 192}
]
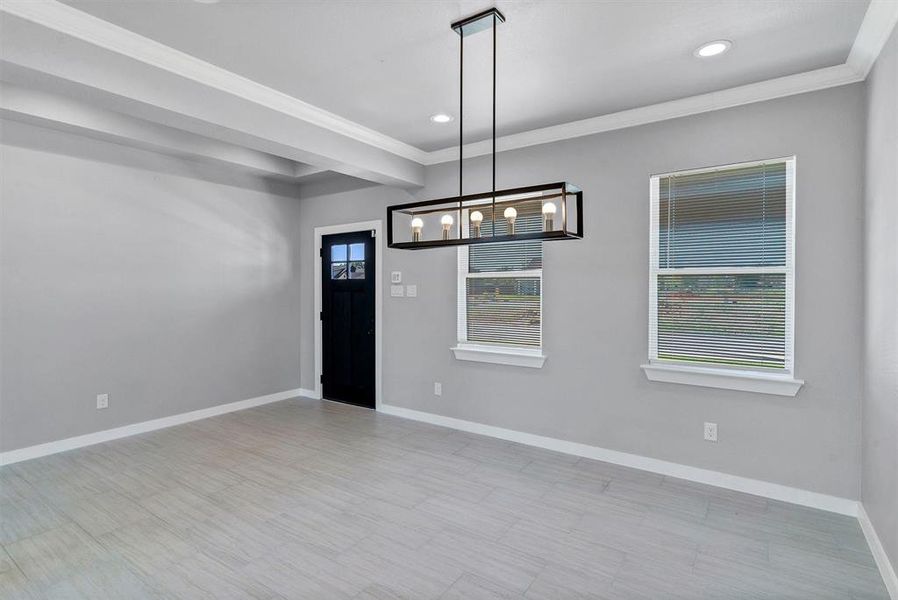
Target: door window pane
[
  {"x": 356, "y": 251},
  {"x": 338, "y": 253},
  {"x": 357, "y": 270},
  {"x": 338, "y": 270}
]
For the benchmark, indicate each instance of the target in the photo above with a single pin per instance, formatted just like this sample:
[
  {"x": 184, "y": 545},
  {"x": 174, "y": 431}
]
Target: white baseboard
[
  {"x": 89, "y": 439},
  {"x": 879, "y": 554},
  {"x": 766, "y": 489},
  {"x": 757, "y": 487},
  {"x": 312, "y": 394}
]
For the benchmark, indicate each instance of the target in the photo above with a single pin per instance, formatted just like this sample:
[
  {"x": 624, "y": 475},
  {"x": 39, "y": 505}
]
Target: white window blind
[
  {"x": 721, "y": 272},
  {"x": 500, "y": 286}
]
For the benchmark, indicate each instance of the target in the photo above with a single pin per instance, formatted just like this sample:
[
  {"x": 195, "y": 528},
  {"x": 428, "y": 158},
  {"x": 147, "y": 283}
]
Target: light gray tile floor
[{"x": 307, "y": 499}]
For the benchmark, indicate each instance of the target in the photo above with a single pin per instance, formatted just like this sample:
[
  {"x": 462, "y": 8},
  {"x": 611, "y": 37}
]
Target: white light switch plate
[
  {"x": 102, "y": 401},
  {"x": 711, "y": 432},
  {"x": 397, "y": 291},
  {"x": 411, "y": 291},
  {"x": 396, "y": 277}
]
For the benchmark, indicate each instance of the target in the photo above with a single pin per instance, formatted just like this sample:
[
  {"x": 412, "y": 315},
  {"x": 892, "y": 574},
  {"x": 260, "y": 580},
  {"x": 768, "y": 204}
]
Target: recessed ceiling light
[
  {"x": 714, "y": 48},
  {"x": 441, "y": 118},
  {"x": 207, "y": 1}
]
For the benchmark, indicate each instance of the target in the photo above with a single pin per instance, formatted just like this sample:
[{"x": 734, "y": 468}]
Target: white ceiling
[{"x": 389, "y": 65}]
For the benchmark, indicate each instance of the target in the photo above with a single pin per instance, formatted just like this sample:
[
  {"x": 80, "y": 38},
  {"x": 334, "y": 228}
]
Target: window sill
[
  {"x": 517, "y": 357},
  {"x": 728, "y": 379}
]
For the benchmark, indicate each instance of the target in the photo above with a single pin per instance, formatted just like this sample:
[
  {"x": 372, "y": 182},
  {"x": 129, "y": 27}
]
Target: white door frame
[{"x": 377, "y": 227}]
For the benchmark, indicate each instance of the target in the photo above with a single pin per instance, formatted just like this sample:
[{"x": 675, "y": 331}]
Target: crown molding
[
  {"x": 879, "y": 20},
  {"x": 684, "y": 107},
  {"x": 874, "y": 32},
  {"x": 83, "y": 26}
]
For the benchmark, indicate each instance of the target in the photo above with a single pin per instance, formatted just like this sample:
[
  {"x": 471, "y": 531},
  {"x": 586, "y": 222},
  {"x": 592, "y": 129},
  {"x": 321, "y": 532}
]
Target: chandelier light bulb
[
  {"x": 476, "y": 219},
  {"x": 446, "y": 221},
  {"x": 510, "y": 215},
  {"x": 549, "y": 210},
  {"x": 417, "y": 226}
]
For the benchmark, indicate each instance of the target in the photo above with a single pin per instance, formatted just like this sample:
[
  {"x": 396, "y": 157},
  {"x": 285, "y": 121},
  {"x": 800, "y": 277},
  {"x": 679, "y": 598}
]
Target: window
[
  {"x": 500, "y": 296},
  {"x": 721, "y": 276},
  {"x": 354, "y": 267}
]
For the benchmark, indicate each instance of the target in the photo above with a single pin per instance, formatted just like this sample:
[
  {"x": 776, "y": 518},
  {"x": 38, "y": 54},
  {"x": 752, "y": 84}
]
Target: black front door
[{"x": 347, "y": 303}]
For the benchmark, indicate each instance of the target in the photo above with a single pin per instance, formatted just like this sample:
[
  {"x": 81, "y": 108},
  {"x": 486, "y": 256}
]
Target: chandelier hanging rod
[{"x": 467, "y": 26}]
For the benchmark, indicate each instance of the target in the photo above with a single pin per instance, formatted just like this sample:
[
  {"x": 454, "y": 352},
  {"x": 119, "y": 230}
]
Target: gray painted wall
[
  {"x": 174, "y": 291},
  {"x": 591, "y": 389},
  {"x": 880, "y": 408},
  {"x": 157, "y": 285}
]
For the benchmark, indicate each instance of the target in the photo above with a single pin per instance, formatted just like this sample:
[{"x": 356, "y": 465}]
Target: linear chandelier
[{"x": 549, "y": 211}]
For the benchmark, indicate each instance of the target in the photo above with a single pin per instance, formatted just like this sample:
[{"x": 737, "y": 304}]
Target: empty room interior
[{"x": 396, "y": 299}]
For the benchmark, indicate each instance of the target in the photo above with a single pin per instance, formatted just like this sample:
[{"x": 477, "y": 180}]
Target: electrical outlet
[
  {"x": 102, "y": 401},
  {"x": 710, "y": 432},
  {"x": 437, "y": 388}
]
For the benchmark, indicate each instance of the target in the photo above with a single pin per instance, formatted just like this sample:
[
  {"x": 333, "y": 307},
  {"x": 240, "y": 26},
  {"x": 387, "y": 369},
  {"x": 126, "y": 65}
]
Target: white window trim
[
  {"x": 780, "y": 383},
  {"x": 727, "y": 379},
  {"x": 517, "y": 356},
  {"x": 500, "y": 355}
]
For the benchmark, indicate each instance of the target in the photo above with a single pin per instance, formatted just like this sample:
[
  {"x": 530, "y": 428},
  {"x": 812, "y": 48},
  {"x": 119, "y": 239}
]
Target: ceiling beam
[
  {"x": 124, "y": 84},
  {"x": 301, "y": 171},
  {"x": 66, "y": 114}
]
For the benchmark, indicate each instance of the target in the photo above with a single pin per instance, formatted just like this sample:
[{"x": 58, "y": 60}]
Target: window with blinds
[
  {"x": 721, "y": 272},
  {"x": 500, "y": 286}
]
